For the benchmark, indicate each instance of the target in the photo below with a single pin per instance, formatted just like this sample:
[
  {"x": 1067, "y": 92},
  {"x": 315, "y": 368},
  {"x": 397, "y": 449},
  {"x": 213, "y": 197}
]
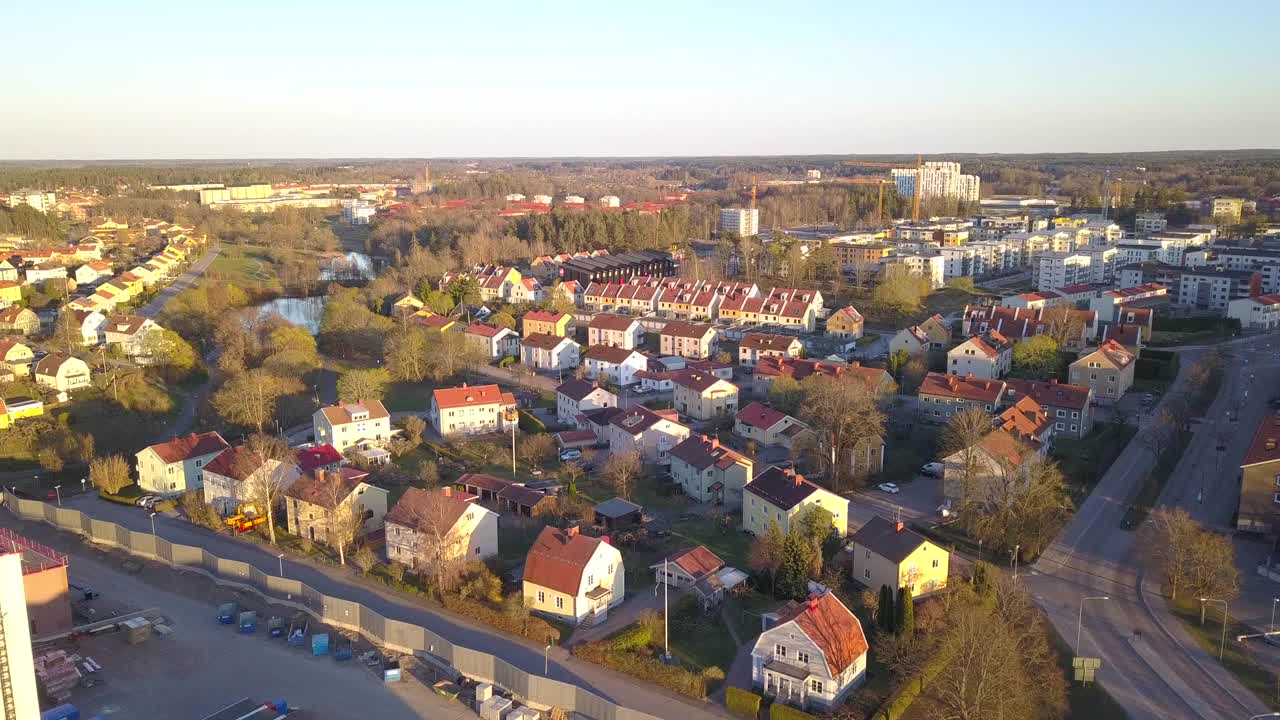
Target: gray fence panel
[
  {"x": 187, "y": 556},
  {"x": 621, "y": 713},
  {"x": 510, "y": 677},
  {"x": 104, "y": 532},
  {"x": 588, "y": 703},
  {"x": 164, "y": 550},
  {"x": 144, "y": 543},
  {"x": 283, "y": 586},
  {"x": 67, "y": 518},
  {"x": 233, "y": 569},
  {"x": 373, "y": 624},
  {"x": 474, "y": 663},
  {"x": 404, "y": 635},
  {"x": 337, "y": 611}
]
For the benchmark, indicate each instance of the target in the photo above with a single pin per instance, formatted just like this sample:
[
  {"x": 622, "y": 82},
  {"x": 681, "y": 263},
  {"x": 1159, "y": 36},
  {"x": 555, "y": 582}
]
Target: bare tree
[
  {"x": 844, "y": 414},
  {"x": 1192, "y": 560},
  {"x": 109, "y": 474},
  {"x": 960, "y": 439},
  {"x": 622, "y": 470},
  {"x": 537, "y": 448},
  {"x": 439, "y": 551},
  {"x": 344, "y": 516},
  {"x": 1021, "y": 505},
  {"x": 249, "y": 398},
  {"x": 266, "y": 462},
  {"x": 1064, "y": 324}
]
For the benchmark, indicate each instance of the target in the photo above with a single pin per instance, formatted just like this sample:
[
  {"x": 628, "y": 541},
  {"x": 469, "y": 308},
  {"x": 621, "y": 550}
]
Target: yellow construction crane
[{"x": 915, "y": 202}]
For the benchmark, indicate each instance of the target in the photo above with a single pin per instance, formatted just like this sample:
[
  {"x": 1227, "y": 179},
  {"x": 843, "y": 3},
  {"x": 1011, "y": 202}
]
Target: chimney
[
  {"x": 969, "y": 376},
  {"x": 855, "y": 364},
  {"x": 799, "y": 478},
  {"x": 715, "y": 443},
  {"x": 447, "y": 491},
  {"x": 812, "y": 602},
  {"x": 897, "y": 527},
  {"x": 571, "y": 531},
  {"x": 1053, "y": 381}
]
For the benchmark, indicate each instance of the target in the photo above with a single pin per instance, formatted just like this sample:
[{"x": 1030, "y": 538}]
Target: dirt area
[{"x": 202, "y": 666}]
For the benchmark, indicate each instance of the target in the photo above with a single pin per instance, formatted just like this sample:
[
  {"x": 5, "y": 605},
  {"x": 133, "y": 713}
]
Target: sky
[{"x": 278, "y": 79}]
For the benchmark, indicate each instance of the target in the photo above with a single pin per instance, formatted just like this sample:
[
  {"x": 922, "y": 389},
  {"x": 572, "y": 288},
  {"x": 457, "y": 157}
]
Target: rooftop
[
  {"x": 35, "y": 556},
  {"x": 1265, "y": 446},
  {"x": 782, "y": 488},
  {"x": 890, "y": 540}
]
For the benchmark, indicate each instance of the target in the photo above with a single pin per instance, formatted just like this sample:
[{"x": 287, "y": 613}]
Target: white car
[
  {"x": 889, "y": 488},
  {"x": 571, "y": 454},
  {"x": 933, "y": 469}
]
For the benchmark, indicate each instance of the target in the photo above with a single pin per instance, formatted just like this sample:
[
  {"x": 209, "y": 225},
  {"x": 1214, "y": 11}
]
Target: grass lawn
[
  {"x": 867, "y": 339},
  {"x": 745, "y": 610},
  {"x": 1236, "y": 658},
  {"x": 730, "y": 543},
  {"x": 246, "y": 266},
  {"x": 1083, "y": 461},
  {"x": 114, "y": 429},
  {"x": 698, "y": 639},
  {"x": 514, "y": 541}
]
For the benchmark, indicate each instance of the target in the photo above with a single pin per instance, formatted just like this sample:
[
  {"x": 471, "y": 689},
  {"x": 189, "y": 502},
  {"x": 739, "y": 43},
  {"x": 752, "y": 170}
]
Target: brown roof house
[
  {"x": 845, "y": 323},
  {"x": 363, "y": 424},
  {"x": 335, "y": 507},
  {"x": 616, "y": 330},
  {"x": 813, "y": 654},
  {"x": 1070, "y": 406},
  {"x": 687, "y": 339},
  {"x": 1108, "y": 371},
  {"x": 573, "y": 577},
  {"x": 710, "y": 472},
  {"x": 16, "y": 318},
  {"x": 754, "y": 346},
  {"x": 62, "y": 372},
  {"x": 1260, "y": 479},
  {"x": 235, "y": 477},
  {"x": 942, "y": 396},
  {"x": 703, "y": 396},
  {"x": 178, "y": 465},
  {"x": 767, "y": 426},
  {"x": 442, "y": 524}
]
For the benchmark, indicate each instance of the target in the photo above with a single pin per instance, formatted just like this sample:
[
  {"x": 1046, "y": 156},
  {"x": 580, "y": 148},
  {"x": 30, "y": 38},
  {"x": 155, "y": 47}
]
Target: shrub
[
  {"x": 644, "y": 667},
  {"x": 531, "y": 627},
  {"x": 395, "y": 571},
  {"x": 507, "y": 361},
  {"x": 778, "y": 711},
  {"x": 742, "y": 702},
  {"x": 531, "y": 424},
  {"x": 636, "y": 637},
  {"x": 364, "y": 559}
]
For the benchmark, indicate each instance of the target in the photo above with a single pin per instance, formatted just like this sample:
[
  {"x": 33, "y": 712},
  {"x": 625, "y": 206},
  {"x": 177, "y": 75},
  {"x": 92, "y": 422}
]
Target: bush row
[
  {"x": 778, "y": 711},
  {"x": 742, "y": 702},
  {"x": 647, "y": 668},
  {"x": 524, "y": 624},
  {"x": 530, "y": 424}
]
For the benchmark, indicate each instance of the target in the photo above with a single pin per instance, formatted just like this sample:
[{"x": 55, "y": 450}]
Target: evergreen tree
[
  {"x": 793, "y": 572},
  {"x": 884, "y": 609},
  {"x": 905, "y": 613}
]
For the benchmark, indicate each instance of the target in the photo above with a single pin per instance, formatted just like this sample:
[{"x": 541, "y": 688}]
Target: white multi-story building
[
  {"x": 930, "y": 265},
  {"x": 958, "y": 261},
  {"x": 744, "y": 222},
  {"x": 1147, "y": 223},
  {"x": 1060, "y": 269},
  {"x": 995, "y": 227},
  {"x": 610, "y": 201},
  {"x": 1102, "y": 262},
  {"x": 574, "y": 200},
  {"x": 42, "y": 201},
  {"x": 993, "y": 256},
  {"x": 21, "y": 696},
  {"x": 357, "y": 212},
  {"x": 938, "y": 179},
  {"x": 1101, "y": 233},
  {"x": 1264, "y": 262}
]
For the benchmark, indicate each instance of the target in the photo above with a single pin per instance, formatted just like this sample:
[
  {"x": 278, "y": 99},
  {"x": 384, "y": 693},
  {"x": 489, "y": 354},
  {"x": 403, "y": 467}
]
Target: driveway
[
  {"x": 916, "y": 499},
  {"x": 341, "y": 582}
]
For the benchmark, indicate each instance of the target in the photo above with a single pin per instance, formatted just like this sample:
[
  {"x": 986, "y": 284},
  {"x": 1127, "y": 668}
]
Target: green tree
[
  {"x": 503, "y": 320},
  {"x": 884, "y": 610},
  {"x": 464, "y": 290},
  {"x": 897, "y": 361},
  {"x": 900, "y": 291},
  {"x": 438, "y": 302},
  {"x": 1036, "y": 357},
  {"x": 793, "y": 570},
  {"x": 766, "y": 553},
  {"x": 904, "y": 613},
  {"x": 168, "y": 350},
  {"x": 363, "y": 384},
  {"x": 785, "y": 394}
]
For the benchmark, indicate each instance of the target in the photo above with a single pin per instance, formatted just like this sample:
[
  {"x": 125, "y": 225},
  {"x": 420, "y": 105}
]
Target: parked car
[
  {"x": 890, "y": 488},
  {"x": 146, "y": 501},
  {"x": 932, "y": 469},
  {"x": 570, "y": 454},
  {"x": 946, "y": 511}
]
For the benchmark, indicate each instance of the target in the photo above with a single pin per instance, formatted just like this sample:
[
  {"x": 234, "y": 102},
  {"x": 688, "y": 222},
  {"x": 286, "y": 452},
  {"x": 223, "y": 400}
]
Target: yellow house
[
  {"x": 16, "y": 355},
  {"x": 10, "y": 291},
  {"x": 889, "y": 553},
  {"x": 573, "y": 577},
  {"x": 13, "y": 410},
  {"x": 432, "y": 321},
  {"x": 781, "y": 495},
  {"x": 547, "y": 322},
  {"x": 116, "y": 289}
]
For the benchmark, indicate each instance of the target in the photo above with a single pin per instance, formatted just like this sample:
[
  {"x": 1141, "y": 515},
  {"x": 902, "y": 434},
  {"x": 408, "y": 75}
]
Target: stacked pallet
[{"x": 56, "y": 673}]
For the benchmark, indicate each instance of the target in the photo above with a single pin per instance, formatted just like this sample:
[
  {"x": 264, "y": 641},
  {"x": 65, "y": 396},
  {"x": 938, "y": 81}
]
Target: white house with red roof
[
  {"x": 178, "y": 465},
  {"x": 687, "y": 567},
  {"x": 542, "y": 351},
  {"x": 472, "y": 409},
  {"x": 1256, "y": 313},
  {"x": 576, "y": 396},
  {"x": 495, "y": 341},
  {"x": 235, "y": 477},
  {"x": 361, "y": 424},
  {"x": 444, "y": 521},
  {"x": 988, "y": 356},
  {"x": 812, "y": 656},
  {"x": 615, "y": 364},
  {"x": 573, "y": 577},
  {"x": 616, "y": 330},
  {"x": 767, "y": 426},
  {"x": 652, "y": 433}
]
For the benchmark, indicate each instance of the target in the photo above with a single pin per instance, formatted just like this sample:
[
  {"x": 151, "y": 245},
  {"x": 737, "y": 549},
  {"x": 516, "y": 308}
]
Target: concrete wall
[{"x": 395, "y": 635}]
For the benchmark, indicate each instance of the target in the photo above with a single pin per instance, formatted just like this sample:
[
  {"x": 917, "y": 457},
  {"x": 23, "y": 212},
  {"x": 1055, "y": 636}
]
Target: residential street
[
  {"x": 1149, "y": 664},
  {"x": 339, "y": 583},
  {"x": 185, "y": 281}
]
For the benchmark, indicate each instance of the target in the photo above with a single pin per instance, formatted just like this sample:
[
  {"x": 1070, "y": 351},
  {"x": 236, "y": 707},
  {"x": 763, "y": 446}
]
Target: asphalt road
[
  {"x": 185, "y": 281},
  {"x": 620, "y": 689},
  {"x": 1149, "y": 664}
]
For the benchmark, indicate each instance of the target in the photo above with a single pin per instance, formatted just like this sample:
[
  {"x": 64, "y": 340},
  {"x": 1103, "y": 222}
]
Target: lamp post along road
[
  {"x": 1222, "y": 646},
  {"x": 1080, "y": 617}
]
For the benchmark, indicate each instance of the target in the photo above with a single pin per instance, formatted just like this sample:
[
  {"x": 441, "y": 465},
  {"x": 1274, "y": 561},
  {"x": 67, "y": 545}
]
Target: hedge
[
  {"x": 778, "y": 711},
  {"x": 529, "y": 626},
  {"x": 742, "y": 702},
  {"x": 507, "y": 361},
  {"x": 637, "y": 637},
  {"x": 531, "y": 424},
  {"x": 644, "y": 667}
]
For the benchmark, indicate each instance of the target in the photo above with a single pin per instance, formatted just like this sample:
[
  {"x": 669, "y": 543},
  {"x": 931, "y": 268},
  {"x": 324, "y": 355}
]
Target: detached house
[
  {"x": 62, "y": 372},
  {"x": 845, "y": 323},
  {"x": 767, "y": 426},
  {"x": 573, "y": 577},
  {"x": 687, "y": 339},
  {"x": 1260, "y": 479},
  {"x": 445, "y": 523},
  {"x": 889, "y": 553},
  {"x": 496, "y": 342},
  {"x": 761, "y": 345},
  {"x": 548, "y": 322},
  {"x": 129, "y": 333},
  {"x": 93, "y": 271},
  {"x": 710, "y": 472},
  {"x": 781, "y": 495},
  {"x": 1069, "y": 406},
  {"x": 987, "y": 356},
  {"x": 471, "y": 410},
  {"x": 942, "y": 396},
  {"x": 319, "y": 506},
  {"x": 90, "y": 323},
  {"x": 16, "y": 356},
  {"x": 703, "y": 396},
  {"x": 346, "y": 425},
  {"x": 813, "y": 656},
  {"x": 178, "y": 465},
  {"x": 10, "y": 293},
  {"x": 542, "y": 351},
  {"x": 1107, "y": 371},
  {"x": 616, "y": 365},
  {"x": 651, "y": 433},
  {"x": 575, "y": 397},
  {"x": 18, "y": 319},
  {"x": 615, "y": 330},
  {"x": 234, "y": 478},
  {"x": 932, "y": 334}
]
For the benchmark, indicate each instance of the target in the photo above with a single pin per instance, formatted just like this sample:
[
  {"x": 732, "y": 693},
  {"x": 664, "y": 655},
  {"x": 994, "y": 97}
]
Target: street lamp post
[
  {"x": 1222, "y": 646},
  {"x": 1272, "y": 628},
  {"x": 280, "y": 558},
  {"x": 153, "y": 524},
  {"x": 83, "y": 488},
  {"x": 57, "y": 489},
  {"x": 1080, "y": 617},
  {"x": 546, "y": 660},
  {"x": 1016, "y": 550}
]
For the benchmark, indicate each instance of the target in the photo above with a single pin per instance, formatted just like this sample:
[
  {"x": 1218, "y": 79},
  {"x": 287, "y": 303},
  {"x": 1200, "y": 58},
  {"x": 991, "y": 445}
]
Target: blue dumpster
[
  {"x": 276, "y": 626},
  {"x": 227, "y": 613},
  {"x": 62, "y": 712},
  {"x": 320, "y": 644},
  {"x": 248, "y": 622}
]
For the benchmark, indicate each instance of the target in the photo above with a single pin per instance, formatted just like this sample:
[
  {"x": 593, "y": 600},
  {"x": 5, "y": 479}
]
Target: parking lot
[{"x": 202, "y": 666}]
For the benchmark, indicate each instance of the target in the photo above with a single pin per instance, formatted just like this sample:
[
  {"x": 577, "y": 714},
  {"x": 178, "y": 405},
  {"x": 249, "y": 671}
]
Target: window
[
  {"x": 542, "y": 597},
  {"x": 780, "y": 651},
  {"x": 802, "y": 656},
  {"x": 1057, "y": 426},
  {"x": 591, "y": 580},
  {"x": 610, "y": 568},
  {"x": 559, "y": 603},
  {"x": 936, "y": 562},
  {"x": 869, "y": 552},
  {"x": 866, "y": 573},
  {"x": 1073, "y": 427},
  {"x": 815, "y": 685}
]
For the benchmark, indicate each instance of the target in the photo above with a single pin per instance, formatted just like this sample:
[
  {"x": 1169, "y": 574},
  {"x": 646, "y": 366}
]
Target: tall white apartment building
[
  {"x": 930, "y": 265},
  {"x": 993, "y": 256},
  {"x": 1102, "y": 262},
  {"x": 995, "y": 227},
  {"x": 958, "y": 261},
  {"x": 745, "y": 222},
  {"x": 1103, "y": 233},
  {"x": 1147, "y": 223},
  {"x": 1060, "y": 269},
  {"x": 20, "y": 695},
  {"x": 937, "y": 179},
  {"x": 42, "y": 201}
]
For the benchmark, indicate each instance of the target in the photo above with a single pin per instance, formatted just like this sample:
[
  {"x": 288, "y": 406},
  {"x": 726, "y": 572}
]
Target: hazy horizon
[{"x": 154, "y": 81}]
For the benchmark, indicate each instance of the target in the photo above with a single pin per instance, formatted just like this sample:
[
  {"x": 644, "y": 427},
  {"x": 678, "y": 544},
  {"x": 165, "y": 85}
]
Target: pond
[
  {"x": 349, "y": 266},
  {"x": 307, "y": 311}
]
